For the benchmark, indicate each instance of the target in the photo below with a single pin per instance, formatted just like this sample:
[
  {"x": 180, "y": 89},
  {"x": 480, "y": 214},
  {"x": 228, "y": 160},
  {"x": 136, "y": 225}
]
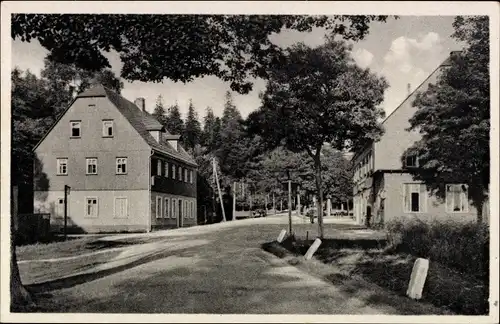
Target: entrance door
[{"x": 180, "y": 212}]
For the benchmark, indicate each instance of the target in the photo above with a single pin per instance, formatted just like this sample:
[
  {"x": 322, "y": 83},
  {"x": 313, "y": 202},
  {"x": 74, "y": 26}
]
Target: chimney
[
  {"x": 408, "y": 89},
  {"x": 141, "y": 103}
]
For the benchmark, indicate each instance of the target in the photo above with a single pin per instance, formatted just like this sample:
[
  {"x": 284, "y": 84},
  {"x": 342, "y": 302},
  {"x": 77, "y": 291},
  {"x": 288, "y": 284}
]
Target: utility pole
[
  {"x": 234, "y": 200},
  {"x": 220, "y": 193},
  {"x": 289, "y": 202}
]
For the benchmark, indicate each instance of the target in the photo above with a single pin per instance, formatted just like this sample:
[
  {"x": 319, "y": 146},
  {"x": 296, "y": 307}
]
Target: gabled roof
[
  {"x": 445, "y": 63},
  {"x": 142, "y": 121}
]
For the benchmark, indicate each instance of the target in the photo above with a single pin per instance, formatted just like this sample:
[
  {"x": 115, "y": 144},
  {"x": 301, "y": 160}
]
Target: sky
[{"x": 404, "y": 51}]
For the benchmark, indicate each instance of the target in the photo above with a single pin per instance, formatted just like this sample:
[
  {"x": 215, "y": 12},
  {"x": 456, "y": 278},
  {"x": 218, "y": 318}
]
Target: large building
[
  {"x": 383, "y": 186},
  {"x": 124, "y": 171}
]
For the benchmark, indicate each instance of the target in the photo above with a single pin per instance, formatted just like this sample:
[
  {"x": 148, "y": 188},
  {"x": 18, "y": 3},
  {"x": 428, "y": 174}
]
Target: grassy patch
[{"x": 350, "y": 262}]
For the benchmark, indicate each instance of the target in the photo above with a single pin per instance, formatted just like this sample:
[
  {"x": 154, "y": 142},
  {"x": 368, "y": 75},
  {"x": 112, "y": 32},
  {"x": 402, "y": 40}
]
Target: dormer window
[{"x": 411, "y": 161}]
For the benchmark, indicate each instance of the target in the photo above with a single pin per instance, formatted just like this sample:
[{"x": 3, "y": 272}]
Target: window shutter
[
  {"x": 423, "y": 198},
  {"x": 406, "y": 202}
]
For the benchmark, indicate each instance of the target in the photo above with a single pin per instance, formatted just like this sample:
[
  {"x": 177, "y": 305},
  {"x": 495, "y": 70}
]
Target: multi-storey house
[
  {"x": 384, "y": 187},
  {"x": 123, "y": 170}
]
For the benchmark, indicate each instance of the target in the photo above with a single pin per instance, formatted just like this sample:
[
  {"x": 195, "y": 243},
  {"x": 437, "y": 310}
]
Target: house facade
[
  {"x": 385, "y": 189},
  {"x": 125, "y": 172}
]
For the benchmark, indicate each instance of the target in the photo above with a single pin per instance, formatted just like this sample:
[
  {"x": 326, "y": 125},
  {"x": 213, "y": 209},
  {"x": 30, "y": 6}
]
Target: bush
[{"x": 462, "y": 246}]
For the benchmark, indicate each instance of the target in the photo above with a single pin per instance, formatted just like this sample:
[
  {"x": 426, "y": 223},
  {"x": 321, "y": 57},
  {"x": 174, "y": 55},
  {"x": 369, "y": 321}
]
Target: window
[
  {"x": 457, "y": 198},
  {"x": 166, "y": 206},
  {"x": 185, "y": 175},
  {"x": 165, "y": 174},
  {"x": 410, "y": 161},
  {"x": 158, "y": 168},
  {"x": 186, "y": 210},
  {"x": 91, "y": 165},
  {"x": 179, "y": 175},
  {"x": 75, "y": 128},
  {"x": 121, "y": 165},
  {"x": 60, "y": 207},
  {"x": 180, "y": 209},
  {"x": 91, "y": 209},
  {"x": 192, "y": 210},
  {"x": 121, "y": 207},
  {"x": 190, "y": 176},
  {"x": 173, "y": 171},
  {"x": 62, "y": 166},
  {"x": 414, "y": 197},
  {"x": 107, "y": 128},
  {"x": 158, "y": 207},
  {"x": 174, "y": 208}
]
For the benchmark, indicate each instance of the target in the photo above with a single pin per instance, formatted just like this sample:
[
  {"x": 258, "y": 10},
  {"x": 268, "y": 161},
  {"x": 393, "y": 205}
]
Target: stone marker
[
  {"x": 312, "y": 249},
  {"x": 417, "y": 279},
  {"x": 281, "y": 236}
]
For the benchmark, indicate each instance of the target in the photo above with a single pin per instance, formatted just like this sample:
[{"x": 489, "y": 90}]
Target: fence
[{"x": 32, "y": 228}]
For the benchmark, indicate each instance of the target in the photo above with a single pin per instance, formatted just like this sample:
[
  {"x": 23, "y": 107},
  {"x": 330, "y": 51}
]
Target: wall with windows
[
  {"x": 165, "y": 211},
  {"x": 363, "y": 165},
  {"x": 396, "y": 139},
  {"x": 173, "y": 177},
  {"x": 95, "y": 211},
  {"x": 88, "y": 140},
  {"x": 405, "y": 197}
]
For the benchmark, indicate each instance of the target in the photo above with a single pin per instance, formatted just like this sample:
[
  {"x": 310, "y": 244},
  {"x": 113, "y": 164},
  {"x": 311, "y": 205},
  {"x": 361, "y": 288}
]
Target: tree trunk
[
  {"x": 18, "y": 294},
  {"x": 317, "y": 169},
  {"x": 479, "y": 209}
]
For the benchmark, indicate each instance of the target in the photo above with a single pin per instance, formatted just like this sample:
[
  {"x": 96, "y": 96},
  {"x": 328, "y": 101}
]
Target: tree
[
  {"x": 318, "y": 96},
  {"x": 453, "y": 117},
  {"x": 159, "y": 111},
  {"x": 36, "y": 103},
  {"x": 208, "y": 138},
  {"x": 178, "y": 47},
  {"x": 235, "y": 146},
  {"x": 230, "y": 111},
  {"x": 72, "y": 80},
  {"x": 192, "y": 131},
  {"x": 173, "y": 121}
]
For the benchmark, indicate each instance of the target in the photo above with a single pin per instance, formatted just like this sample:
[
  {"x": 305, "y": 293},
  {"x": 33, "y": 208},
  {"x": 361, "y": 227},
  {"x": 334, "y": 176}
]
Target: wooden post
[
  {"x": 250, "y": 201},
  {"x": 65, "y": 212},
  {"x": 234, "y": 201},
  {"x": 265, "y": 202},
  {"x": 220, "y": 193},
  {"x": 290, "y": 206},
  {"x": 274, "y": 204},
  {"x": 298, "y": 203},
  {"x": 328, "y": 207}
]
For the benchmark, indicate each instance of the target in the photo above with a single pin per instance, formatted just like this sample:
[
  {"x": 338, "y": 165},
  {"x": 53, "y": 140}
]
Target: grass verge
[{"x": 349, "y": 264}]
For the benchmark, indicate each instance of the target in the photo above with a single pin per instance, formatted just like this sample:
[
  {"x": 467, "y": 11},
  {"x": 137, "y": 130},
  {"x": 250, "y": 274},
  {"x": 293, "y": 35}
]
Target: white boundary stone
[
  {"x": 417, "y": 279},
  {"x": 314, "y": 247},
  {"x": 281, "y": 237}
]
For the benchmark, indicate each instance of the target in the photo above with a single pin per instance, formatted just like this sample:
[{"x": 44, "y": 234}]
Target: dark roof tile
[{"x": 142, "y": 121}]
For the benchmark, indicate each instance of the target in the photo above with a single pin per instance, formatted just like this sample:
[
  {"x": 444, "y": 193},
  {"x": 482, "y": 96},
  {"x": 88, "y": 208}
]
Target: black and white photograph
[{"x": 250, "y": 161}]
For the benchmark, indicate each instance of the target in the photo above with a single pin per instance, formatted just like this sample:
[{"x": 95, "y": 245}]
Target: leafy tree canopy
[
  {"x": 453, "y": 116},
  {"x": 234, "y": 48},
  {"x": 317, "y": 96}
]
